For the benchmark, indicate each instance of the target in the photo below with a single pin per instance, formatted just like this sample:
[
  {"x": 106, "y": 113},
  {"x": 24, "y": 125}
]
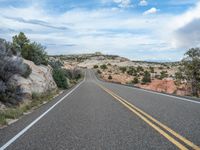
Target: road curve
[{"x": 101, "y": 115}]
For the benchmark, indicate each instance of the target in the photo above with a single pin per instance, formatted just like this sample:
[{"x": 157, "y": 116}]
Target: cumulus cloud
[
  {"x": 152, "y": 10},
  {"x": 143, "y": 3},
  {"x": 123, "y": 3},
  {"x": 80, "y": 30},
  {"x": 186, "y": 28},
  {"x": 87, "y": 30}
]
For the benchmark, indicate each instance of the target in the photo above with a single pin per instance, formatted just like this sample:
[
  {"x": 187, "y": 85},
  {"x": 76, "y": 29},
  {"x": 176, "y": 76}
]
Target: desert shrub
[
  {"x": 163, "y": 74},
  {"x": 110, "y": 77},
  {"x": 14, "y": 65},
  {"x": 123, "y": 69},
  {"x": 31, "y": 51},
  {"x": 68, "y": 73},
  {"x": 60, "y": 78},
  {"x": 135, "y": 80},
  {"x": 55, "y": 63},
  {"x": 132, "y": 71},
  {"x": 95, "y": 66},
  {"x": 151, "y": 69},
  {"x": 140, "y": 69},
  {"x": 10, "y": 64},
  {"x": 147, "y": 77},
  {"x": 103, "y": 66},
  {"x": 35, "y": 52},
  {"x": 76, "y": 74},
  {"x": 19, "y": 41},
  {"x": 98, "y": 71},
  {"x": 189, "y": 70},
  {"x": 71, "y": 74}
]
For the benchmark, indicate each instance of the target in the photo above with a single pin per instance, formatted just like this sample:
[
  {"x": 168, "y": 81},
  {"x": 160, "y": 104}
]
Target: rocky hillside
[
  {"x": 122, "y": 70},
  {"x": 89, "y": 60},
  {"x": 20, "y": 78}
]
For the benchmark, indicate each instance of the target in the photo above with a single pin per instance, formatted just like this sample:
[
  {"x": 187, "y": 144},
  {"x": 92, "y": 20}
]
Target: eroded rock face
[{"x": 39, "y": 81}]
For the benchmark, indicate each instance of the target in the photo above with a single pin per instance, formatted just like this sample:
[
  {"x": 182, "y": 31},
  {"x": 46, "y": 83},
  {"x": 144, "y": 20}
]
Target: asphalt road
[{"x": 101, "y": 115}]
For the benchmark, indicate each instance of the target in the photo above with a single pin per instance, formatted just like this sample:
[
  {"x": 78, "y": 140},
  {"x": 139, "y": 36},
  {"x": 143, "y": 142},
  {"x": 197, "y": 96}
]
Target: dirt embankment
[{"x": 165, "y": 85}]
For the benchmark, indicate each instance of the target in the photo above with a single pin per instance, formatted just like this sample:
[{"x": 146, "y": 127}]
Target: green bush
[
  {"x": 131, "y": 71},
  {"x": 151, "y": 69},
  {"x": 110, "y": 77},
  {"x": 123, "y": 69},
  {"x": 103, "y": 67},
  {"x": 163, "y": 74},
  {"x": 189, "y": 70},
  {"x": 55, "y": 63},
  {"x": 60, "y": 78},
  {"x": 19, "y": 41},
  {"x": 140, "y": 69},
  {"x": 31, "y": 51},
  {"x": 35, "y": 52},
  {"x": 135, "y": 80},
  {"x": 98, "y": 71},
  {"x": 96, "y": 66},
  {"x": 147, "y": 77}
]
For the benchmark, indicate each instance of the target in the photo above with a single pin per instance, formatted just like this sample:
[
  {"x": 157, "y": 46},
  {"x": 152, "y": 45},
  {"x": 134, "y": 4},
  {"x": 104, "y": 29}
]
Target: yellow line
[
  {"x": 167, "y": 128},
  {"x": 132, "y": 107}
]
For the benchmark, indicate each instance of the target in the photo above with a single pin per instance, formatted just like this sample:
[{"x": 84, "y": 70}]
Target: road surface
[{"x": 101, "y": 115}]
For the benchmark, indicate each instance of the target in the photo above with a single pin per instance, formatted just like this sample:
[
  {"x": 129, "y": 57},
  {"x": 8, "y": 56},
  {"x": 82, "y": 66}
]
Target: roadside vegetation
[
  {"x": 109, "y": 77},
  {"x": 104, "y": 67},
  {"x": 29, "y": 50},
  {"x": 135, "y": 80},
  {"x": 182, "y": 78},
  {"x": 189, "y": 70},
  {"x": 10, "y": 63},
  {"x": 64, "y": 78},
  {"x": 146, "y": 78},
  {"x": 12, "y": 55},
  {"x": 96, "y": 66},
  {"x": 15, "y": 112}
]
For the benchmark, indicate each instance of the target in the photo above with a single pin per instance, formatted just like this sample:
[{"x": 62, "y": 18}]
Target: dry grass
[{"x": 18, "y": 111}]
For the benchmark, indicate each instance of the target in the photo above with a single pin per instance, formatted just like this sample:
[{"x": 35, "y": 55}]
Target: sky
[{"x": 151, "y": 30}]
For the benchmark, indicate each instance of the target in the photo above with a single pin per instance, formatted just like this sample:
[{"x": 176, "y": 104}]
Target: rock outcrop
[{"x": 40, "y": 81}]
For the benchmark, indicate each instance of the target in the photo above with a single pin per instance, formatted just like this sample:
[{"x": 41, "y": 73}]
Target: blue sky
[{"x": 153, "y": 30}]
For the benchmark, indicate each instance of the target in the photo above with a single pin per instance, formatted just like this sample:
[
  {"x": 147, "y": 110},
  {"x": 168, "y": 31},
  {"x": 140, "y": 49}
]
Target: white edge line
[
  {"x": 37, "y": 119},
  {"x": 175, "y": 97}
]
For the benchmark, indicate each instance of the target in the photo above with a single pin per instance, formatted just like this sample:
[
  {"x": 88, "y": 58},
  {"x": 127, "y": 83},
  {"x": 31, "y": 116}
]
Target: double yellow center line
[{"x": 155, "y": 124}]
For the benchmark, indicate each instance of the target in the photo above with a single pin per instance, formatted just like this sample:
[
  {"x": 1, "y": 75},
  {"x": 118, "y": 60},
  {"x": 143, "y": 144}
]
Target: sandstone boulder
[{"x": 39, "y": 81}]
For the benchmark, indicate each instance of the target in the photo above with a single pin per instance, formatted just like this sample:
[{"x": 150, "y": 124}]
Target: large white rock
[{"x": 39, "y": 81}]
